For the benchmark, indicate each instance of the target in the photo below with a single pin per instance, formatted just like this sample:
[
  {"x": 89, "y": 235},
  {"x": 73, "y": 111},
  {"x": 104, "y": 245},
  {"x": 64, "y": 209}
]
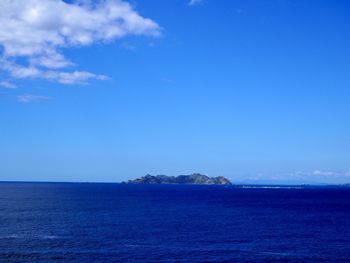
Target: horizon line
[{"x": 124, "y": 182}]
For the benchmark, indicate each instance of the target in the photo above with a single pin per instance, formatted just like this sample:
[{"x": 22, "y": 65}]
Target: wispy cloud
[
  {"x": 73, "y": 77},
  {"x": 7, "y": 84},
  {"x": 320, "y": 173},
  {"x": 35, "y": 33},
  {"x": 327, "y": 173},
  {"x": 27, "y": 98},
  {"x": 128, "y": 46},
  {"x": 195, "y": 2}
]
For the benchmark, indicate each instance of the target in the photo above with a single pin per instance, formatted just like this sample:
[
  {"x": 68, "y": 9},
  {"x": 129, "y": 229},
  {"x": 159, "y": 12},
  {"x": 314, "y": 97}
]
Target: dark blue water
[{"x": 42, "y": 222}]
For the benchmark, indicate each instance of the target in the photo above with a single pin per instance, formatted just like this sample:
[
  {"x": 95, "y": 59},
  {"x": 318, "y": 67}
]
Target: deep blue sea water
[{"x": 64, "y": 222}]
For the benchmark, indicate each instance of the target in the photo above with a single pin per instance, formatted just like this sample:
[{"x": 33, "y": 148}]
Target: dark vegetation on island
[{"x": 181, "y": 179}]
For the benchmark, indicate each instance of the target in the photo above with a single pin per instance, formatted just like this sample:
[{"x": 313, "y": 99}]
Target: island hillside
[{"x": 181, "y": 179}]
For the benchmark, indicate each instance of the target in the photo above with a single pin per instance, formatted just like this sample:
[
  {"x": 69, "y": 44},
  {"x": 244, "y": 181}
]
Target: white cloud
[
  {"x": 54, "y": 61},
  {"x": 79, "y": 77},
  {"x": 31, "y": 98},
  {"x": 7, "y": 84},
  {"x": 76, "y": 77},
  {"x": 34, "y": 34},
  {"x": 195, "y": 2}
]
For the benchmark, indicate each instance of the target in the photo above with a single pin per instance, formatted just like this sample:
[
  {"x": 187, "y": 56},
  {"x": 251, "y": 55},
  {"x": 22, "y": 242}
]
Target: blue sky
[{"x": 257, "y": 91}]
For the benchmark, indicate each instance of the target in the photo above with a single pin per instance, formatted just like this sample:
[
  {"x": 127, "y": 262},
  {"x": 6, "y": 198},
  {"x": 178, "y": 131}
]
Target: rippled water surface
[{"x": 58, "y": 222}]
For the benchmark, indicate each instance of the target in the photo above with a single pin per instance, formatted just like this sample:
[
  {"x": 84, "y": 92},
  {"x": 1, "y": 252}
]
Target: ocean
[{"x": 96, "y": 222}]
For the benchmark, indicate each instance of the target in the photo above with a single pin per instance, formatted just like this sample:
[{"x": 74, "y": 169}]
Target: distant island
[{"x": 195, "y": 178}]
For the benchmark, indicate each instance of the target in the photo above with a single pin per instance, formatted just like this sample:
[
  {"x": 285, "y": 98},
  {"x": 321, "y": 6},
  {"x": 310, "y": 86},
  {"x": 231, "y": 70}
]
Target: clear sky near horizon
[{"x": 257, "y": 91}]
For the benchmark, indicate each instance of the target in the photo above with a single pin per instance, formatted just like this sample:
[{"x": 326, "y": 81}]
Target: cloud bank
[{"x": 34, "y": 34}]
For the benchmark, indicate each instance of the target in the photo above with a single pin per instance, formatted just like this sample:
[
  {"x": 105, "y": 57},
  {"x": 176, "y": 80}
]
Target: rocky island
[{"x": 181, "y": 179}]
